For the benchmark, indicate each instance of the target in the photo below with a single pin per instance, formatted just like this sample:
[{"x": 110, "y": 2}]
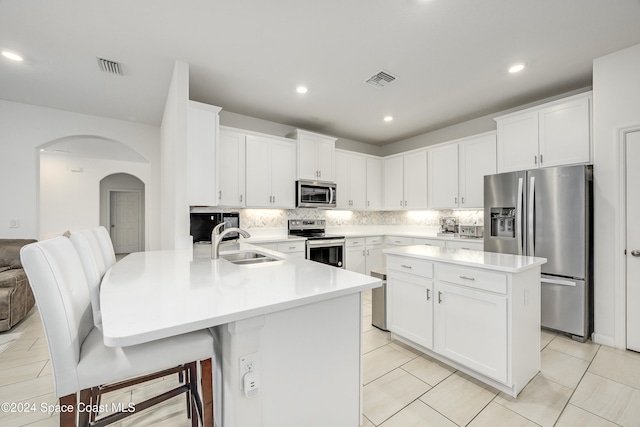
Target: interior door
[
  {"x": 633, "y": 240},
  {"x": 125, "y": 221}
]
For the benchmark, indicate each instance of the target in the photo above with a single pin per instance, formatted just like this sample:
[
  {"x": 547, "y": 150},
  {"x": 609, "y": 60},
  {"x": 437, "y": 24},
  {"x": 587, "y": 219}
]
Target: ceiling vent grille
[
  {"x": 111, "y": 67},
  {"x": 381, "y": 79}
]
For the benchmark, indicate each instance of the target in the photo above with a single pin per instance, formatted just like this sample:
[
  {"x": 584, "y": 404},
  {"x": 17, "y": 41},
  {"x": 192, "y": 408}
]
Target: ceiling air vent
[
  {"x": 109, "y": 66},
  {"x": 381, "y": 79}
]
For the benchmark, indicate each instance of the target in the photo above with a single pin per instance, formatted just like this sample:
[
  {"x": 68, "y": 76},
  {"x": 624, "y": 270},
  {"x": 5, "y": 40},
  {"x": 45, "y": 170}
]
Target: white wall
[
  {"x": 174, "y": 216},
  {"x": 25, "y": 128},
  {"x": 616, "y": 105},
  {"x": 70, "y": 199}
]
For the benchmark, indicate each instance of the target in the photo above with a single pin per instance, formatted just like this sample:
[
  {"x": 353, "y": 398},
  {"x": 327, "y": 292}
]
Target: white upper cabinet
[
  {"x": 553, "y": 134},
  {"x": 443, "y": 177},
  {"x": 270, "y": 172},
  {"x": 351, "y": 180},
  {"x": 374, "y": 183},
  {"x": 316, "y": 156},
  {"x": 477, "y": 157},
  {"x": 202, "y": 134},
  {"x": 231, "y": 167},
  {"x": 457, "y": 170},
  {"x": 405, "y": 181}
]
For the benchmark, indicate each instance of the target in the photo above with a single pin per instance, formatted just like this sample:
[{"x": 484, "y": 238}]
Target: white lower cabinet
[
  {"x": 471, "y": 328},
  {"x": 410, "y": 302},
  {"x": 364, "y": 254},
  {"x": 482, "y": 321}
]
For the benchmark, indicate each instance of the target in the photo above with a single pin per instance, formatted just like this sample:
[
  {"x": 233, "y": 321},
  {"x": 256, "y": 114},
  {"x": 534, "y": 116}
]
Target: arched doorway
[{"x": 122, "y": 211}]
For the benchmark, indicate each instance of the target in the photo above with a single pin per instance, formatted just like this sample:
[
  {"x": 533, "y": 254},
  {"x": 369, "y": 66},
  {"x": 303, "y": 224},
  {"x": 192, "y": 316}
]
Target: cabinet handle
[
  {"x": 428, "y": 244},
  {"x": 220, "y": 195},
  {"x": 367, "y": 252},
  {"x": 540, "y": 159},
  {"x": 439, "y": 297},
  {"x": 241, "y": 197},
  {"x": 535, "y": 160},
  {"x": 319, "y": 174},
  {"x": 406, "y": 266},
  {"x": 400, "y": 202},
  {"x": 397, "y": 241},
  {"x": 428, "y": 296},
  {"x": 462, "y": 200},
  {"x": 274, "y": 199},
  {"x": 455, "y": 201},
  {"x": 368, "y": 203},
  {"x": 363, "y": 252},
  {"x": 405, "y": 203},
  {"x": 467, "y": 277},
  {"x": 292, "y": 247}
]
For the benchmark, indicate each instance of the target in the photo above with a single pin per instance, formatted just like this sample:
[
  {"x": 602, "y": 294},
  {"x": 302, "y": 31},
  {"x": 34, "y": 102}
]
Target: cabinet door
[
  {"x": 410, "y": 307},
  {"x": 231, "y": 165},
  {"x": 393, "y": 183},
  {"x": 325, "y": 148},
  {"x": 415, "y": 180},
  {"x": 307, "y": 157},
  {"x": 343, "y": 181},
  {"x": 258, "y": 172},
  {"x": 374, "y": 183},
  {"x": 518, "y": 142},
  {"x": 202, "y": 130},
  {"x": 443, "y": 177},
  {"x": 356, "y": 259},
  {"x": 283, "y": 180},
  {"x": 471, "y": 328},
  {"x": 375, "y": 258},
  {"x": 477, "y": 159},
  {"x": 358, "y": 179},
  {"x": 564, "y": 132}
]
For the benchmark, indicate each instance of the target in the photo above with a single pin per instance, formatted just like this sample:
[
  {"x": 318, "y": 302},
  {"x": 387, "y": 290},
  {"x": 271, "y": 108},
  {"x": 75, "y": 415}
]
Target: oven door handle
[{"x": 325, "y": 242}]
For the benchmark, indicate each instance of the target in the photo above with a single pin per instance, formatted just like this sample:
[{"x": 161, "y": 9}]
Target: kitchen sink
[{"x": 248, "y": 257}]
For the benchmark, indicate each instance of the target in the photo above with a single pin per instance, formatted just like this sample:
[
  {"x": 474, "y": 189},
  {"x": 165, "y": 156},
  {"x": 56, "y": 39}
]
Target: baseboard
[{"x": 603, "y": 340}]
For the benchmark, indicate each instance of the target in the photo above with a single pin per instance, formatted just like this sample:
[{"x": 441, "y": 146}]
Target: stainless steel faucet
[{"x": 216, "y": 238}]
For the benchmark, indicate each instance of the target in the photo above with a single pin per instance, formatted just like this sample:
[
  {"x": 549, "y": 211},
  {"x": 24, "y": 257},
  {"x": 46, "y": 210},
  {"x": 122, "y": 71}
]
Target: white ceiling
[{"x": 247, "y": 56}]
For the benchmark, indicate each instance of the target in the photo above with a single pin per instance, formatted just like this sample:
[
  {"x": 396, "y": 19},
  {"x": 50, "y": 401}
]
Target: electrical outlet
[
  {"x": 14, "y": 223},
  {"x": 248, "y": 363}
]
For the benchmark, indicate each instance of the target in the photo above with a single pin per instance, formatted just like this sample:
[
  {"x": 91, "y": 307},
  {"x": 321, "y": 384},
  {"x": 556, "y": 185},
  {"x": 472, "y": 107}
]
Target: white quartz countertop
[
  {"x": 158, "y": 294},
  {"x": 479, "y": 259}
]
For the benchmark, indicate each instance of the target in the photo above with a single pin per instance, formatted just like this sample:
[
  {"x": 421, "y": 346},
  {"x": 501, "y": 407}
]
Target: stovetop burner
[{"x": 312, "y": 229}]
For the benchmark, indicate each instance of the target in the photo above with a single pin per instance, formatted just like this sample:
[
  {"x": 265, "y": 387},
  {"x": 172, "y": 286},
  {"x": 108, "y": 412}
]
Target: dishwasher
[{"x": 379, "y": 300}]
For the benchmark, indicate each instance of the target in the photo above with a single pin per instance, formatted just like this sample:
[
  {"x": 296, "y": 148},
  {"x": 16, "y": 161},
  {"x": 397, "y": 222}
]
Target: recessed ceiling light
[
  {"x": 388, "y": 118},
  {"x": 516, "y": 68},
  {"x": 301, "y": 89},
  {"x": 12, "y": 55}
]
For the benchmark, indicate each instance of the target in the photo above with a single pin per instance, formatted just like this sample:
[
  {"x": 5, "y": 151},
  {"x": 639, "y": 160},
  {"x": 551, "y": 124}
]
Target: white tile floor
[{"x": 579, "y": 385}]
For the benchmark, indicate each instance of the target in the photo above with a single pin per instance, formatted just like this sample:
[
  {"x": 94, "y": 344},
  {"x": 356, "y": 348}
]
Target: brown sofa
[{"x": 16, "y": 298}]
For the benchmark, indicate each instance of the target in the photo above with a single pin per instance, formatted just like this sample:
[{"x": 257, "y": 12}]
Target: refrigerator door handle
[
  {"x": 558, "y": 282},
  {"x": 531, "y": 221},
  {"x": 519, "y": 223}
]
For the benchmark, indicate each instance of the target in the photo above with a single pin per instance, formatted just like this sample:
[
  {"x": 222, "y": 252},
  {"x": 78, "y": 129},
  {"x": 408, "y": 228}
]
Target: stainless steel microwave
[{"x": 315, "y": 194}]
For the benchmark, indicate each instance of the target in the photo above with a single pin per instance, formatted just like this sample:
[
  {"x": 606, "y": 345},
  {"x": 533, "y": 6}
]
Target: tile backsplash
[{"x": 277, "y": 218}]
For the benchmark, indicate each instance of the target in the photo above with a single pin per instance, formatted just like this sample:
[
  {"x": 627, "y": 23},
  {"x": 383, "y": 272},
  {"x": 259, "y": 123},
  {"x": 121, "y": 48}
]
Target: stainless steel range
[{"x": 321, "y": 247}]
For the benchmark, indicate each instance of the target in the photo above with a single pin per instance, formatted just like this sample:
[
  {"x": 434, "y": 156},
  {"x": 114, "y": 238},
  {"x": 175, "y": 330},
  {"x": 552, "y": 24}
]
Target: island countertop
[
  {"x": 165, "y": 293},
  {"x": 479, "y": 259}
]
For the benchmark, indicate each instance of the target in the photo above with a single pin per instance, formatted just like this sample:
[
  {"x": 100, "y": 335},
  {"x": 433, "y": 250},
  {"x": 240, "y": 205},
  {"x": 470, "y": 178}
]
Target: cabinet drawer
[
  {"x": 399, "y": 241},
  {"x": 410, "y": 265},
  {"x": 474, "y": 245},
  {"x": 287, "y": 247},
  {"x": 377, "y": 240},
  {"x": 354, "y": 241},
  {"x": 475, "y": 278},
  {"x": 429, "y": 242}
]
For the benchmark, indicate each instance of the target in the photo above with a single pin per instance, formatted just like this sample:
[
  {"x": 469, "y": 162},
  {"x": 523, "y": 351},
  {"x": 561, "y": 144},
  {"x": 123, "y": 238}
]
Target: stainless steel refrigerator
[{"x": 548, "y": 213}]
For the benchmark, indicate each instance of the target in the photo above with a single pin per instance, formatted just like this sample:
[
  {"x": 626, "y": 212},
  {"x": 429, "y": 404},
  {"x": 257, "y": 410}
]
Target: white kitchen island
[
  {"x": 476, "y": 311},
  {"x": 295, "y": 323}
]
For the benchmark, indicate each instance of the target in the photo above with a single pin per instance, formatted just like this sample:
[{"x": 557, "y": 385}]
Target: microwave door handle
[
  {"x": 532, "y": 227},
  {"x": 518, "y": 218},
  {"x": 331, "y": 193}
]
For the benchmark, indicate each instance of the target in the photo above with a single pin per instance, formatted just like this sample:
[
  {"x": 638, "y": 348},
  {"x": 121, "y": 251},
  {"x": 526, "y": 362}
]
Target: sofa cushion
[
  {"x": 5, "y": 268},
  {"x": 10, "y": 252}
]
